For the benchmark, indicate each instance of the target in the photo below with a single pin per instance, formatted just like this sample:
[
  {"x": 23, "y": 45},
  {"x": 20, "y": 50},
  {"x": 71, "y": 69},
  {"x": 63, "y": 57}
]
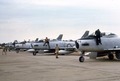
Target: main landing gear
[
  {"x": 17, "y": 50},
  {"x": 110, "y": 56},
  {"x": 35, "y": 53}
]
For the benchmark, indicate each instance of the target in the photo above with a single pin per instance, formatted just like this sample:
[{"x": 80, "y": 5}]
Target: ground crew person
[
  {"x": 46, "y": 42},
  {"x": 4, "y": 51},
  {"x": 56, "y": 50}
]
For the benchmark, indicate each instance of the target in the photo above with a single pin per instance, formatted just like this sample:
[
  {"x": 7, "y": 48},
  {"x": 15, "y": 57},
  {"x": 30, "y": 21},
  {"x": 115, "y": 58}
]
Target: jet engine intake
[{"x": 76, "y": 44}]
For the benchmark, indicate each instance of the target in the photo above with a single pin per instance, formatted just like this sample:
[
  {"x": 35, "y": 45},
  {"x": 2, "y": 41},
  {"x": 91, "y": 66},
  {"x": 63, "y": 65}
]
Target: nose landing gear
[{"x": 81, "y": 58}]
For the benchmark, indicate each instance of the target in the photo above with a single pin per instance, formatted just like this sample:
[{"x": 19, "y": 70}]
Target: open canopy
[{"x": 103, "y": 34}]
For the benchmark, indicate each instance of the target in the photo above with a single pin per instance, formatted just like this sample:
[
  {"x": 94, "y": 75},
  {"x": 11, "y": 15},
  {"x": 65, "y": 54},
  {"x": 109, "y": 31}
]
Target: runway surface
[{"x": 26, "y": 67}]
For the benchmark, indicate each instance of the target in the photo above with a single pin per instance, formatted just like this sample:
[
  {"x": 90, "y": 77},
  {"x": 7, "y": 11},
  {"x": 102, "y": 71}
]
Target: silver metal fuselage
[
  {"x": 52, "y": 44},
  {"x": 23, "y": 46},
  {"x": 108, "y": 43}
]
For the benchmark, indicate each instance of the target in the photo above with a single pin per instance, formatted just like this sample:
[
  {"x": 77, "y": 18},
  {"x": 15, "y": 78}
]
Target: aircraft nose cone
[{"x": 76, "y": 44}]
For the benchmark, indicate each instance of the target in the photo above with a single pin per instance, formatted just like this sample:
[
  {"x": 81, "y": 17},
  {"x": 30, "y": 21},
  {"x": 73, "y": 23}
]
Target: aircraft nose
[{"x": 76, "y": 44}]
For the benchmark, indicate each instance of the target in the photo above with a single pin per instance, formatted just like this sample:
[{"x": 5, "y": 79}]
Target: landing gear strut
[
  {"x": 34, "y": 53},
  {"x": 111, "y": 56},
  {"x": 17, "y": 50},
  {"x": 81, "y": 58}
]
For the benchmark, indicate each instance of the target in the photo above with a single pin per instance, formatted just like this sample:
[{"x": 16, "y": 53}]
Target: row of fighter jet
[
  {"x": 110, "y": 46},
  {"x": 38, "y": 45}
]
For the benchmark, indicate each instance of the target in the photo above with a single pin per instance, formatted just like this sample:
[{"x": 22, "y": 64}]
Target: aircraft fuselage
[{"x": 89, "y": 45}]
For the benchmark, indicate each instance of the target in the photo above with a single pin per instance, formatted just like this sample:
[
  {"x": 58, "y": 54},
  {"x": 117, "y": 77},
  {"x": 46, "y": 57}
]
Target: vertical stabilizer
[
  {"x": 36, "y": 40},
  {"x": 60, "y": 37}
]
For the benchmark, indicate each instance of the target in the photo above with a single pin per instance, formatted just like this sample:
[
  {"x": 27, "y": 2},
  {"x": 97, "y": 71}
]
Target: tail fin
[
  {"x": 15, "y": 42},
  {"x": 36, "y": 40},
  {"x": 85, "y": 34},
  {"x": 60, "y": 37}
]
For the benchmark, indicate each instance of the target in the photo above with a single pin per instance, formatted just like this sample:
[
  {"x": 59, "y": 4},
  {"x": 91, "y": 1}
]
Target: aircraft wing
[
  {"x": 68, "y": 48},
  {"x": 112, "y": 49}
]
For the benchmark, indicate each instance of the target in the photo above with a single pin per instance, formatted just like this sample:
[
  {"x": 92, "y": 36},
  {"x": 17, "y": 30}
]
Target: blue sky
[{"x": 29, "y": 19}]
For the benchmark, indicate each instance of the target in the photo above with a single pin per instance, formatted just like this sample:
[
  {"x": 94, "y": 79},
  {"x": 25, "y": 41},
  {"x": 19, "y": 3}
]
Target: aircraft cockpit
[
  {"x": 41, "y": 40},
  {"x": 103, "y": 34}
]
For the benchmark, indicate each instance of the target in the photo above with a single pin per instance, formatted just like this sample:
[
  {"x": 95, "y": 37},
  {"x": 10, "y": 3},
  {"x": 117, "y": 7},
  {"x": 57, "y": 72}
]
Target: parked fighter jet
[
  {"x": 27, "y": 45},
  {"x": 22, "y": 46},
  {"x": 65, "y": 46},
  {"x": 110, "y": 44}
]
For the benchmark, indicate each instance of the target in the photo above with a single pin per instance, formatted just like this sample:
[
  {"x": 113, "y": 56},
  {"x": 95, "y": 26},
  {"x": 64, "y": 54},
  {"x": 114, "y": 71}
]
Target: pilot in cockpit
[{"x": 98, "y": 37}]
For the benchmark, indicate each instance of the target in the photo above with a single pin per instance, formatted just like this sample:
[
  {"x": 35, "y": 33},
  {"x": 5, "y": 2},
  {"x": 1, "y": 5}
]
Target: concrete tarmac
[{"x": 26, "y": 67}]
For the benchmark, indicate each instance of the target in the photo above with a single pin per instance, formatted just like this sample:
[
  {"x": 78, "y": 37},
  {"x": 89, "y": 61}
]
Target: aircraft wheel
[
  {"x": 110, "y": 56},
  {"x": 81, "y": 59},
  {"x": 34, "y": 53},
  {"x": 17, "y": 51},
  {"x": 117, "y": 54}
]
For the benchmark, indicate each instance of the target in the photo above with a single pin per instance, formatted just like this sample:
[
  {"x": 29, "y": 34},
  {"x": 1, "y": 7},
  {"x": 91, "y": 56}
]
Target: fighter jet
[
  {"x": 109, "y": 45},
  {"x": 66, "y": 46},
  {"x": 22, "y": 46},
  {"x": 25, "y": 45}
]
